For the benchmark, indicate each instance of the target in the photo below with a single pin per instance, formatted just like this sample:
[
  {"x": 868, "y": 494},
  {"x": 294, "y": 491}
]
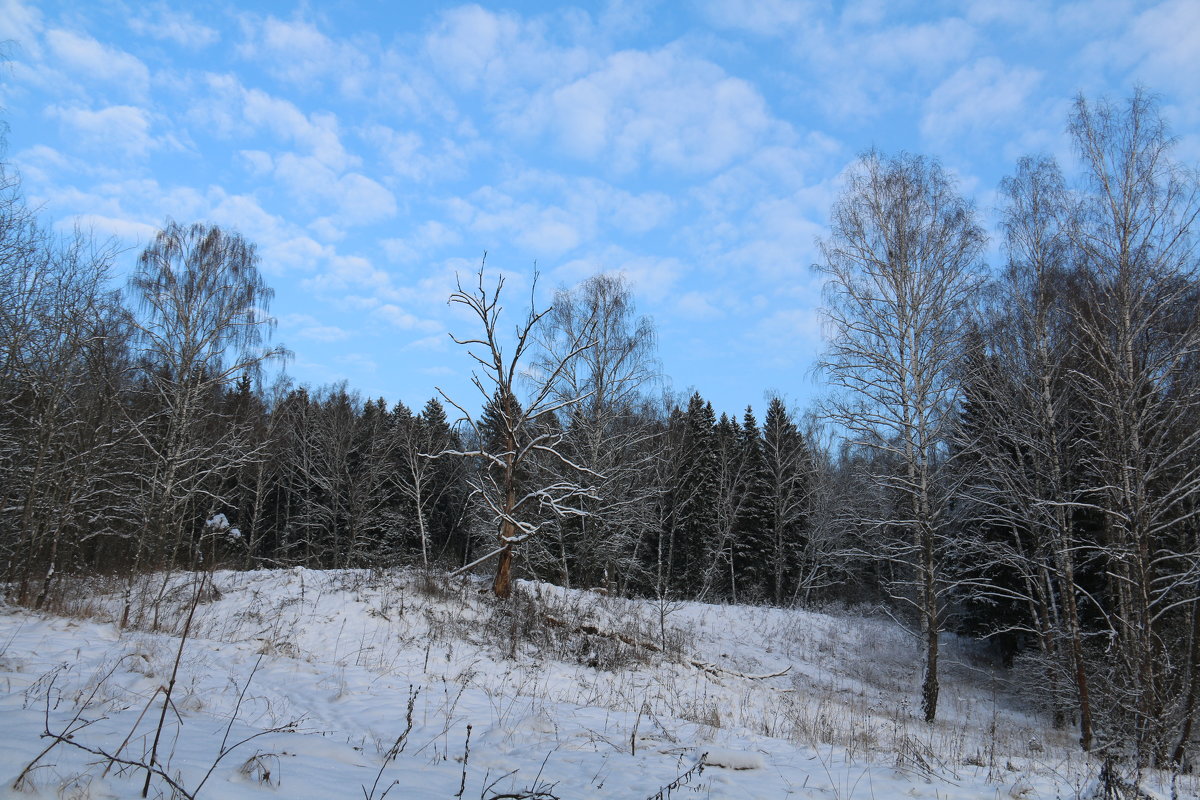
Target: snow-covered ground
[{"x": 357, "y": 685}]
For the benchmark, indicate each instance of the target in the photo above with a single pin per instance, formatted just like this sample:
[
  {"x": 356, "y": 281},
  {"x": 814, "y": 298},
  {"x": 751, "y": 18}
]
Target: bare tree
[
  {"x": 1021, "y": 431},
  {"x": 64, "y": 471},
  {"x": 902, "y": 260},
  {"x": 202, "y": 322},
  {"x": 1138, "y": 321},
  {"x": 516, "y": 435},
  {"x": 608, "y": 428}
]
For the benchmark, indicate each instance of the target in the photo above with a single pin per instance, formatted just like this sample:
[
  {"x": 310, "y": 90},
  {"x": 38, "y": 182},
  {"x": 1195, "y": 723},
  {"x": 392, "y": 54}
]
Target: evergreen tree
[
  {"x": 695, "y": 497},
  {"x": 446, "y": 494},
  {"x": 752, "y": 539},
  {"x": 787, "y": 465}
]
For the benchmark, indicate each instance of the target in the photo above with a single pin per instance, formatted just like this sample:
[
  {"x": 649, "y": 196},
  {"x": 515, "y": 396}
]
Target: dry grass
[{"x": 850, "y": 697}]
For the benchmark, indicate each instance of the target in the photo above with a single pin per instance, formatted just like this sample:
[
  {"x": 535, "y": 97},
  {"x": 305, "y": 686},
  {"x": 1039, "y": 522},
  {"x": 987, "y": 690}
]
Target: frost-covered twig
[{"x": 683, "y": 779}]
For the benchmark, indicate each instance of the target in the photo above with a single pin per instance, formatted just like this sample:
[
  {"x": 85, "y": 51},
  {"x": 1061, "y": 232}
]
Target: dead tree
[{"x": 511, "y": 437}]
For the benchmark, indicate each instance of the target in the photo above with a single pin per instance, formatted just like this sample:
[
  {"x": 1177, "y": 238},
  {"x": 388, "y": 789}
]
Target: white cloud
[
  {"x": 124, "y": 229},
  {"x": 347, "y": 271},
  {"x": 779, "y": 238},
  {"x": 652, "y": 277},
  {"x": 361, "y": 200},
  {"x": 129, "y": 209},
  {"x": 230, "y": 110},
  {"x": 640, "y": 213},
  {"x": 551, "y": 215},
  {"x": 697, "y": 306},
  {"x": 1033, "y": 16},
  {"x": 355, "y": 198},
  {"x": 428, "y": 237},
  {"x": 592, "y": 204},
  {"x": 470, "y": 42},
  {"x": 259, "y": 162},
  {"x": 305, "y": 326},
  {"x": 665, "y": 107},
  {"x": 763, "y": 17},
  {"x": 925, "y": 47},
  {"x": 125, "y": 129},
  {"x": 20, "y": 22},
  {"x": 316, "y": 132},
  {"x": 497, "y": 52},
  {"x": 281, "y": 246},
  {"x": 172, "y": 25},
  {"x": 977, "y": 99},
  {"x": 40, "y": 163},
  {"x": 298, "y": 52},
  {"x": 405, "y": 320},
  {"x": 544, "y": 230},
  {"x": 89, "y": 60},
  {"x": 849, "y": 57},
  {"x": 1091, "y": 18},
  {"x": 297, "y": 252},
  {"x": 1165, "y": 39},
  {"x": 626, "y": 16},
  {"x": 410, "y": 156}
]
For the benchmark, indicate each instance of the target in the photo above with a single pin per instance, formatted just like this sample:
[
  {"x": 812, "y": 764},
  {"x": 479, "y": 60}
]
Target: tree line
[
  {"x": 1010, "y": 452},
  {"x": 139, "y": 435}
]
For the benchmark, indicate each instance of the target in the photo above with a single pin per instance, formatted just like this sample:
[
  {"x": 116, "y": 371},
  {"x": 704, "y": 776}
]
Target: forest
[{"x": 1007, "y": 451}]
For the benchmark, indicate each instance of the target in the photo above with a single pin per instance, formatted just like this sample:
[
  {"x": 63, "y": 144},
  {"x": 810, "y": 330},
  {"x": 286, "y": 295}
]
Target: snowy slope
[{"x": 566, "y": 693}]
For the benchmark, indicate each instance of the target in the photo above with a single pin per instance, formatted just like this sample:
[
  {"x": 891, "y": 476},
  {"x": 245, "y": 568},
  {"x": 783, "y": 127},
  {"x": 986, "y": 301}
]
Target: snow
[
  {"x": 219, "y": 523},
  {"x": 559, "y": 691},
  {"x": 730, "y": 759}
]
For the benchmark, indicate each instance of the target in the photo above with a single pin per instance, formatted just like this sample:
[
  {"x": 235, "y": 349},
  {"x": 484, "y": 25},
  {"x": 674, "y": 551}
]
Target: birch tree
[
  {"x": 1139, "y": 322},
  {"x": 1023, "y": 429},
  {"x": 609, "y": 429},
  {"x": 902, "y": 260},
  {"x": 202, "y": 322}
]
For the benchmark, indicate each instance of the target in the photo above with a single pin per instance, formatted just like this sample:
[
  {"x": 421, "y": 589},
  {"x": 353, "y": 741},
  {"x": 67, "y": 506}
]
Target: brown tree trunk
[
  {"x": 1077, "y": 656},
  {"x": 502, "y": 583}
]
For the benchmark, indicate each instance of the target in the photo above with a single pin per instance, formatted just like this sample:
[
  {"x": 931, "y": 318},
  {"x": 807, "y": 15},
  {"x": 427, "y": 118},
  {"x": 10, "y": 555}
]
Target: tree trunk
[
  {"x": 1077, "y": 656},
  {"x": 1189, "y": 708},
  {"x": 929, "y": 687},
  {"x": 502, "y": 583}
]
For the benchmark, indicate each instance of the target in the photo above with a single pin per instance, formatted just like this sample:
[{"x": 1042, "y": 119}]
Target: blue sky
[{"x": 374, "y": 150}]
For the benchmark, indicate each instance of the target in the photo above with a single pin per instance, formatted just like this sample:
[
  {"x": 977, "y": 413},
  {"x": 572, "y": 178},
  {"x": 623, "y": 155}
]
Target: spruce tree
[
  {"x": 752, "y": 540},
  {"x": 787, "y": 465}
]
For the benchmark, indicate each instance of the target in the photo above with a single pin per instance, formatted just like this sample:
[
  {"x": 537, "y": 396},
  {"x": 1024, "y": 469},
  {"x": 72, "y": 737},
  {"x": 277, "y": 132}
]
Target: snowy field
[{"x": 306, "y": 684}]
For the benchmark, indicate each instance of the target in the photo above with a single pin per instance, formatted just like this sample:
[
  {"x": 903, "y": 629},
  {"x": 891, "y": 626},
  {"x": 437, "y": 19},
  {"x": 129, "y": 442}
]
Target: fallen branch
[
  {"x": 592, "y": 630},
  {"x": 475, "y": 563},
  {"x": 152, "y": 769},
  {"x": 713, "y": 669}
]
